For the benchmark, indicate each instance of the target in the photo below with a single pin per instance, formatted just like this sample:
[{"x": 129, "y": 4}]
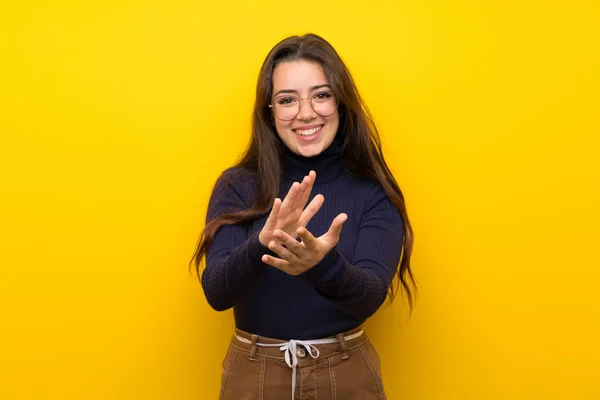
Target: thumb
[{"x": 333, "y": 234}]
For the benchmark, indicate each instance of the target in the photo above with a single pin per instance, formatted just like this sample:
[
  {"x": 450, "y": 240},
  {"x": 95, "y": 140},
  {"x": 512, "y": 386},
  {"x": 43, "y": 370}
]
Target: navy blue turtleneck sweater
[{"x": 337, "y": 294}]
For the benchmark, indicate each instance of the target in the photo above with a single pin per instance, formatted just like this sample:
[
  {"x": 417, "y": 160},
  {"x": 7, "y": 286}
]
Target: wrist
[
  {"x": 325, "y": 270},
  {"x": 257, "y": 249}
]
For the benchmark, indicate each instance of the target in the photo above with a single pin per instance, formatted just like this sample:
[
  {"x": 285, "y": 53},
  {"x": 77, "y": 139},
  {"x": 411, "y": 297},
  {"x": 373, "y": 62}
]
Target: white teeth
[{"x": 308, "y": 132}]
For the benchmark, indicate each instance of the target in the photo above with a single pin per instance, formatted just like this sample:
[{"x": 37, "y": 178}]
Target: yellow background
[{"x": 117, "y": 116}]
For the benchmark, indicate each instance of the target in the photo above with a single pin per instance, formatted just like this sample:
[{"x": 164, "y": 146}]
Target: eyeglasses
[{"x": 287, "y": 107}]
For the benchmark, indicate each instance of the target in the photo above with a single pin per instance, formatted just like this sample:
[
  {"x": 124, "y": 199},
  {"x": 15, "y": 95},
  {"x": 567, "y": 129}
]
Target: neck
[{"x": 328, "y": 164}]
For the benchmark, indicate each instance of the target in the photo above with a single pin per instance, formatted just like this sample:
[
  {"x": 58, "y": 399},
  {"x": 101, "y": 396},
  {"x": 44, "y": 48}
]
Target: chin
[{"x": 310, "y": 151}]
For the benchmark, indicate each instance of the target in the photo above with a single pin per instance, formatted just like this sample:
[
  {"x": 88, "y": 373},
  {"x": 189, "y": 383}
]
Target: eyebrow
[{"x": 295, "y": 91}]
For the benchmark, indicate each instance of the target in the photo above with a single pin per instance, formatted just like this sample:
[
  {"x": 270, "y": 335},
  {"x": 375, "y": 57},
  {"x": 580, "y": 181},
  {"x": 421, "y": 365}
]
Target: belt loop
[
  {"x": 253, "y": 341},
  {"x": 343, "y": 345}
]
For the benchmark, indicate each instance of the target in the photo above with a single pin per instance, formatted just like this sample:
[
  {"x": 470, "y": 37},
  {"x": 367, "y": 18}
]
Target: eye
[
  {"x": 285, "y": 101},
  {"x": 323, "y": 96}
]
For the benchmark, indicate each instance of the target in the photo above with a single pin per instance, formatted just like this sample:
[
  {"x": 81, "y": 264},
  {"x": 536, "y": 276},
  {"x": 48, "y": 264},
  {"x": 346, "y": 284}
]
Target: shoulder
[
  {"x": 236, "y": 182},
  {"x": 237, "y": 176}
]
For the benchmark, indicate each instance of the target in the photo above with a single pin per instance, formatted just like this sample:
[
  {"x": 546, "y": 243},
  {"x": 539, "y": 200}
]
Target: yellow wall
[{"x": 116, "y": 117}]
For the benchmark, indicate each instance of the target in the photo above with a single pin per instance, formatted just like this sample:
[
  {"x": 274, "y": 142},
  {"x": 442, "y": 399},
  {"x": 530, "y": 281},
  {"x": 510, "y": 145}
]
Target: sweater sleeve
[
  {"x": 233, "y": 260},
  {"x": 359, "y": 286}
]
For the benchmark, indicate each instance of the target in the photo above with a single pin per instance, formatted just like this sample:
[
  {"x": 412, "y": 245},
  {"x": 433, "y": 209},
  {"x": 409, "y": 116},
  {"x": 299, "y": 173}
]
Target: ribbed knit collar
[{"x": 328, "y": 164}]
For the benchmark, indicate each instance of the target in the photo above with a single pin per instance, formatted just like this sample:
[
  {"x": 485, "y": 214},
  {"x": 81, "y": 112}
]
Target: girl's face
[{"x": 301, "y": 86}]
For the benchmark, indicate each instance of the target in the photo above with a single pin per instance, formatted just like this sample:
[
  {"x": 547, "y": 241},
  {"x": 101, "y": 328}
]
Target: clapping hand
[{"x": 288, "y": 220}]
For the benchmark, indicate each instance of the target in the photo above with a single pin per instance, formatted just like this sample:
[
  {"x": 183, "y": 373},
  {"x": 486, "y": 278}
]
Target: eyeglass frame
[{"x": 337, "y": 104}]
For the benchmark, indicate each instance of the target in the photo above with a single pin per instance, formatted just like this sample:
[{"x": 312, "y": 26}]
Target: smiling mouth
[{"x": 308, "y": 132}]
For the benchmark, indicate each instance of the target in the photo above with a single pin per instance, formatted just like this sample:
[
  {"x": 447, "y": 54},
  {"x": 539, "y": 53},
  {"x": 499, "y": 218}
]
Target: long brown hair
[{"x": 361, "y": 150}]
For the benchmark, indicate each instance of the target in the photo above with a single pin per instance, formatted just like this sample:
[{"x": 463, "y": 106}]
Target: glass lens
[
  {"x": 287, "y": 107},
  {"x": 324, "y": 103}
]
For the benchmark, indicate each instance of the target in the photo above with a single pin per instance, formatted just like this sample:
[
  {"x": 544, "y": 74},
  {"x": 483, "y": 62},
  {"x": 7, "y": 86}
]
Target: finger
[
  {"x": 333, "y": 234},
  {"x": 291, "y": 243},
  {"x": 275, "y": 209},
  {"x": 311, "y": 210},
  {"x": 297, "y": 205},
  {"x": 305, "y": 185},
  {"x": 290, "y": 198},
  {"x": 271, "y": 222},
  {"x": 272, "y": 219},
  {"x": 276, "y": 262},
  {"x": 307, "y": 238},
  {"x": 282, "y": 251},
  {"x": 306, "y": 188}
]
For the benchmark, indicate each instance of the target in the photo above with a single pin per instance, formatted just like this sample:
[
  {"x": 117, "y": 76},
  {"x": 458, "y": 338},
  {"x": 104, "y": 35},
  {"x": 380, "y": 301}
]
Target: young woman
[{"x": 305, "y": 235}]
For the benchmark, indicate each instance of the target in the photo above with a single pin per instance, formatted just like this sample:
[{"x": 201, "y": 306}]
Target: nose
[{"x": 306, "y": 112}]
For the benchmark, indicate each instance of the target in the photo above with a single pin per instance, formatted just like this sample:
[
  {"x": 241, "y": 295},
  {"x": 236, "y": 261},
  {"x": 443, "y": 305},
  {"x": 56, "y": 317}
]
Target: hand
[
  {"x": 290, "y": 214},
  {"x": 298, "y": 257}
]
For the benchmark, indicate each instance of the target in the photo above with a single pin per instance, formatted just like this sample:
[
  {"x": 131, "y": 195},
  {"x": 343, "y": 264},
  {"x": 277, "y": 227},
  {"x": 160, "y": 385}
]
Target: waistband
[
  {"x": 293, "y": 351},
  {"x": 269, "y": 347}
]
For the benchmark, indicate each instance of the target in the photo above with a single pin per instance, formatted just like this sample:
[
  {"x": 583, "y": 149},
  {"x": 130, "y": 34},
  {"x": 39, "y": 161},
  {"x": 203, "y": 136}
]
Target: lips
[
  {"x": 309, "y": 134},
  {"x": 308, "y": 131}
]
